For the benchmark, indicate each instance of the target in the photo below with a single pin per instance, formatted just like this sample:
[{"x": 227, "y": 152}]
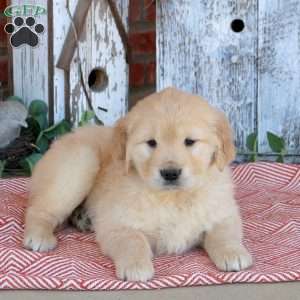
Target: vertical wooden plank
[
  {"x": 78, "y": 101},
  {"x": 101, "y": 47},
  {"x": 50, "y": 60},
  {"x": 198, "y": 51},
  {"x": 30, "y": 65},
  {"x": 279, "y": 72},
  {"x": 60, "y": 28}
]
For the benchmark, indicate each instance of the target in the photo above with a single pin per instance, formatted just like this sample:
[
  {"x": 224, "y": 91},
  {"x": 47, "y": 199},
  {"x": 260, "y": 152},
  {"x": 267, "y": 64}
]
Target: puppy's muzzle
[{"x": 170, "y": 175}]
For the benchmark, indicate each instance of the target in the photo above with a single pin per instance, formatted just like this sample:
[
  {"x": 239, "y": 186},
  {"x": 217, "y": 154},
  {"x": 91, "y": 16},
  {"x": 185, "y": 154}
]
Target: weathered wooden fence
[{"x": 242, "y": 55}]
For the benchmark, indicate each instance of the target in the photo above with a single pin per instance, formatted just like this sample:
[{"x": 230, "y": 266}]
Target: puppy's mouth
[
  {"x": 166, "y": 185},
  {"x": 171, "y": 185}
]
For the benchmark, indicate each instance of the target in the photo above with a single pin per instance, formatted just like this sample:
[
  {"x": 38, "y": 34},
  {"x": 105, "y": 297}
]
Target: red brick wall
[
  {"x": 3, "y": 53},
  {"x": 142, "y": 70}
]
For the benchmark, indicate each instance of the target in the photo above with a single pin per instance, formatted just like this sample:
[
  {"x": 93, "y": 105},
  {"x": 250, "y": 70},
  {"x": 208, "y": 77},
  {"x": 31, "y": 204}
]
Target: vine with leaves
[
  {"x": 276, "y": 144},
  {"x": 44, "y": 134}
]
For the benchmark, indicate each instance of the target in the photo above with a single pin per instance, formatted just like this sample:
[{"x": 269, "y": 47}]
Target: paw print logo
[{"x": 24, "y": 32}]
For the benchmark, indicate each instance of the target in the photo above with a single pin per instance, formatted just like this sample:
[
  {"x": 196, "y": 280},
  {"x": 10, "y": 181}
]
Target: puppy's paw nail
[
  {"x": 40, "y": 242},
  {"x": 232, "y": 258},
  {"x": 136, "y": 270}
]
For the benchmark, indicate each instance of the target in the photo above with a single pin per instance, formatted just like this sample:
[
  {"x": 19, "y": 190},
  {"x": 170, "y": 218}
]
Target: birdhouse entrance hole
[
  {"x": 237, "y": 25},
  {"x": 98, "y": 80}
]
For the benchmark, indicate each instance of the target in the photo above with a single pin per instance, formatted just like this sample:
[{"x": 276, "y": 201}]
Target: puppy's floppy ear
[
  {"x": 225, "y": 152},
  {"x": 119, "y": 145},
  {"x": 118, "y": 150}
]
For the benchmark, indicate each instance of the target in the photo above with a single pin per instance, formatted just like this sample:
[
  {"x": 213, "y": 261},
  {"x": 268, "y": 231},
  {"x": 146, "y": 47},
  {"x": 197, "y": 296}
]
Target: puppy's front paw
[
  {"x": 39, "y": 241},
  {"x": 135, "y": 269},
  {"x": 231, "y": 258}
]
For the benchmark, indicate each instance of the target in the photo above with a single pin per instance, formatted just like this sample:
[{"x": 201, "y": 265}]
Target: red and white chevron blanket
[{"x": 269, "y": 198}]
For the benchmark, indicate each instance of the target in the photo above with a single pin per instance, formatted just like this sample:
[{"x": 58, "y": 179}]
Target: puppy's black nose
[{"x": 170, "y": 174}]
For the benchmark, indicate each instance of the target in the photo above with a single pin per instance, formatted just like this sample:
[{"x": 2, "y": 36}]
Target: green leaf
[
  {"x": 57, "y": 129},
  {"x": 253, "y": 158},
  {"x": 86, "y": 116},
  {"x": 276, "y": 143},
  {"x": 33, "y": 126},
  {"x": 251, "y": 142},
  {"x": 2, "y": 166},
  {"x": 42, "y": 121},
  {"x": 280, "y": 159},
  {"x": 15, "y": 98},
  {"x": 30, "y": 161},
  {"x": 38, "y": 107},
  {"x": 38, "y": 110},
  {"x": 42, "y": 143}
]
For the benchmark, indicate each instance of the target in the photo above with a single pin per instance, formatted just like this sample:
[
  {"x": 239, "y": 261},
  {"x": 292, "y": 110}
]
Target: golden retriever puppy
[{"x": 157, "y": 183}]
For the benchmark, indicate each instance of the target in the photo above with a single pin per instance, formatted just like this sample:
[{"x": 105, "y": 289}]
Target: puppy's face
[{"x": 173, "y": 138}]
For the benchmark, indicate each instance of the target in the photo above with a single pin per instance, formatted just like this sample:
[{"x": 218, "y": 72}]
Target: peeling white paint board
[
  {"x": 61, "y": 23},
  {"x": 30, "y": 65},
  {"x": 279, "y": 72},
  {"x": 101, "y": 46},
  {"x": 197, "y": 51}
]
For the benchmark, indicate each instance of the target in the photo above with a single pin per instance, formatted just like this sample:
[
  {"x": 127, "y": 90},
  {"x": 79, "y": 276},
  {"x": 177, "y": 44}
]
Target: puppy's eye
[
  {"x": 189, "y": 142},
  {"x": 152, "y": 143}
]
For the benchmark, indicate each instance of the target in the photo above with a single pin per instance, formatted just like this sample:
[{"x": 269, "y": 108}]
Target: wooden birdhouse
[{"x": 79, "y": 62}]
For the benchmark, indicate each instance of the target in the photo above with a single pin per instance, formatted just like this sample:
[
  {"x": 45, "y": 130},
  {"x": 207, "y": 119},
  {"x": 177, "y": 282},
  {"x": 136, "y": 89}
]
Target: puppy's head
[{"x": 172, "y": 139}]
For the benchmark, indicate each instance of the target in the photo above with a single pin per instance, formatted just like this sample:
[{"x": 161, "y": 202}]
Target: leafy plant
[
  {"x": 252, "y": 145},
  {"x": 38, "y": 111},
  {"x": 2, "y": 166},
  {"x": 47, "y": 135},
  {"x": 38, "y": 125},
  {"x": 275, "y": 142},
  {"x": 29, "y": 162},
  {"x": 277, "y": 145},
  {"x": 86, "y": 117}
]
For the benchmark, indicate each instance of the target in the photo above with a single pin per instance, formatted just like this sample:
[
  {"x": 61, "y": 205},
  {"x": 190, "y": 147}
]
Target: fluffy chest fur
[{"x": 173, "y": 221}]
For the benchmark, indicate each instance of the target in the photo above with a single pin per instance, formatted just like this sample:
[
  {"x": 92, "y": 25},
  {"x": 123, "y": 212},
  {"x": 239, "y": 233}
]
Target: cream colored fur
[{"x": 135, "y": 213}]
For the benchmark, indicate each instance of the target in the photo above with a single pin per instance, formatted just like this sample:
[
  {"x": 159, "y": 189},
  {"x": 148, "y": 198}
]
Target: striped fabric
[{"x": 269, "y": 198}]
